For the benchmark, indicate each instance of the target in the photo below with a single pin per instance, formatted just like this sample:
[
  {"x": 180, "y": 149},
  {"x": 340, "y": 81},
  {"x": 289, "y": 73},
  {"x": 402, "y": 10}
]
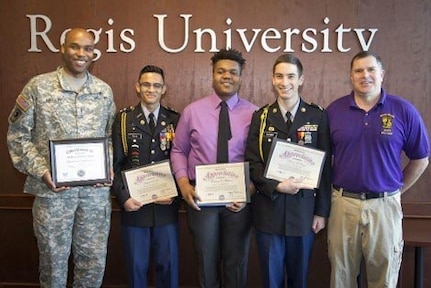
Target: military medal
[
  {"x": 163, "y": 142},
  {"x": 300, "y": 135}
]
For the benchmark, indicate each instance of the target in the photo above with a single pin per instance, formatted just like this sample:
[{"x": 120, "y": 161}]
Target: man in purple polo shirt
[
  {"x": 370, "y": 129},
  {"x": 219, "y": 233}
]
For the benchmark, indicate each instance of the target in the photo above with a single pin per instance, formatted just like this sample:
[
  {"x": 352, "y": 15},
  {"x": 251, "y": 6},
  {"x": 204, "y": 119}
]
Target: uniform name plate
[
  {"x": 221, "y": 184},
  {"x": 79, "y": 162},
  {"x": 150, "y": 183},
  {"x": 300, "y": 163}
]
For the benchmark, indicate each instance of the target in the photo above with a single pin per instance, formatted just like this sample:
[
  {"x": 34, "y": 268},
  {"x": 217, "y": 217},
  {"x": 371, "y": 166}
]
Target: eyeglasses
[{"x": 156, "y": 86}]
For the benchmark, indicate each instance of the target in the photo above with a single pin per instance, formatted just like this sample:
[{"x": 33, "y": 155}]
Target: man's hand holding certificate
[
  {"x": 221, "y": 184},
  {"x": 292, "y": 161},
  {"x": 150, "y": 183}
]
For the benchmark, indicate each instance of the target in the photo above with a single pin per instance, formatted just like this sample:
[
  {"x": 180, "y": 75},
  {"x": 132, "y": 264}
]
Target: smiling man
[
  {"x": 220, "y": 233},
  {"x": 370, "y": 129},
  {"x": 287, "y": 214},
  {"x": 68, "y": 103},
  {"x": 142, "y": 135}
]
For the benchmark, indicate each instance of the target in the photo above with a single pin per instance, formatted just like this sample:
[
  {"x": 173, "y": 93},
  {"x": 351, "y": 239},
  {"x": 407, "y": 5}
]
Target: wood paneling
[
  {"x": 19, "y": 256},
  {"x": 403, "y": 40}
]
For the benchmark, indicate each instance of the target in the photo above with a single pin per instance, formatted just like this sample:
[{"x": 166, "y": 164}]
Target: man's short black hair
[
  {"x": 152, "y": 69},
  {"x": 229, "y": 54}
]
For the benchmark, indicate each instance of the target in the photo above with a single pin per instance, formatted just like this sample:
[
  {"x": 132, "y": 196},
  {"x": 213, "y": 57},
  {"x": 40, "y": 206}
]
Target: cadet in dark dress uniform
[
  {"x": 136, "y": 142},
  {"x": 286, "y": 214}
]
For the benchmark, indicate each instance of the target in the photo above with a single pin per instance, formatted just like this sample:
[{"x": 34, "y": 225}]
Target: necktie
[
  {"x": 224, "y": 134},
  {"x": 288, "y": 120},
  {"x": 151, "y": 122}
]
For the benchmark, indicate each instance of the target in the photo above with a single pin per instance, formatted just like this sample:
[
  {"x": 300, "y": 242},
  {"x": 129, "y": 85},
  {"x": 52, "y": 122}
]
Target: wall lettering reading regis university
[{"x": 270, "y": 39}]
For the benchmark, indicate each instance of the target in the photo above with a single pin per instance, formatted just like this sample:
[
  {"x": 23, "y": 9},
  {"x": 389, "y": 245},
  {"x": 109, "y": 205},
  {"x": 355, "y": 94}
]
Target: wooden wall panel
[
  {"x": 403, "y": 40},
  {"x": 19, "y": 256}
]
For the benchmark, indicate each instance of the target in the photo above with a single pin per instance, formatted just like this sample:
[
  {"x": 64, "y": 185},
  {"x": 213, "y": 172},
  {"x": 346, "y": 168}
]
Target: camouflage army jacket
[{"x": 48, "y": 109}]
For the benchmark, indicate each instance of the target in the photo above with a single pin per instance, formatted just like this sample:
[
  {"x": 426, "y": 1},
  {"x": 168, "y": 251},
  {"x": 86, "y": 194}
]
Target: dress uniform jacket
[
  {"x": 135, "y": 145},
  {"x": 280, "y": 213}
]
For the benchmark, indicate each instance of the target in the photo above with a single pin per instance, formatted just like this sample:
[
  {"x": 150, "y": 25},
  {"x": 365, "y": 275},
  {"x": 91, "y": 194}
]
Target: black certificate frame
[
  {"x": 301, "y": 147},
  {"x": 80, "y": 145}
]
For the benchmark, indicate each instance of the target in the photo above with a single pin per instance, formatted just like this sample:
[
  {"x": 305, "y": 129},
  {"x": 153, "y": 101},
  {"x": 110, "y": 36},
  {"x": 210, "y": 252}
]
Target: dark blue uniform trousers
[
  {"x": 280, "y": 255},
  {"x": 159, "y": 241}
]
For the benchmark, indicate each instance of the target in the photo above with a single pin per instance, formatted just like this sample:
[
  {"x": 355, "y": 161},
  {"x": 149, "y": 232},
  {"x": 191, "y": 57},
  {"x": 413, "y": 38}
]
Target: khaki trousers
[{"x": 365, "y": 228}]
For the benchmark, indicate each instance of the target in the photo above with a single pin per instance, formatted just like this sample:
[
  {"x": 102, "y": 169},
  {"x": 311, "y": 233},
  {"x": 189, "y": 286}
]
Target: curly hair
[{"x": 229, "y": 54}]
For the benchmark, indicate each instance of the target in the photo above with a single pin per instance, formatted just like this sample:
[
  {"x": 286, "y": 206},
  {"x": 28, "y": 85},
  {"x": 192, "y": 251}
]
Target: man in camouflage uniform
[{"x": 64, "y": 104}]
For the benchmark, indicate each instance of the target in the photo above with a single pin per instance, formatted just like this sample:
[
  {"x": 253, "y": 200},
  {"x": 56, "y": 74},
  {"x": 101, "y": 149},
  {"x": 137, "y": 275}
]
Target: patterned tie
[
  {"x": 151, "y": 122},
  {"x": 288, "y": 120},
  {"x": 224, "y": 134}
]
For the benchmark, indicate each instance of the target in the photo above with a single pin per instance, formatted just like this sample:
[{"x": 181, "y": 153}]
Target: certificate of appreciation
[
  {"x": 150, "y": 183},
  {"x": 220, "y": 184},
  {"x": 289, "y": 160},
  {"x": 78, "y": 162}
]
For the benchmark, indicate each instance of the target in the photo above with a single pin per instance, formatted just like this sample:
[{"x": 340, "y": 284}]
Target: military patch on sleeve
[
  {"x": 170, "y": 109},
  {"x": 15, "y": 115},
  {"x": 22, "y": 102}
]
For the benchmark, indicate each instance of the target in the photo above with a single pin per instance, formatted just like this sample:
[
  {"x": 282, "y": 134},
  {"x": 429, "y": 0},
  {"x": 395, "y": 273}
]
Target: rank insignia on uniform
[
  {"x": 303, "y": 109},
  {"x": 22, "y": 102},
  {"x": 142, "y": 122},
  {"x": 274, "y": 110},
  {"x": 17, "y": 113},
  {"x": 315, "y": 105},
  {"x": 270, "y": 128}
]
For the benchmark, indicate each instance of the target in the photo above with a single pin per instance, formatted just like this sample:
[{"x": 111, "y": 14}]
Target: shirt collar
[
  {"x": 381, "y": 101},
  {"x": 231, "y": 102},
  {"x": 292, "y": 112},
  {"x": 147, "y": 113}
]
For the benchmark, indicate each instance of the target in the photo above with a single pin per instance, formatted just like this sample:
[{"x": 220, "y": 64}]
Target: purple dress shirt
[{"x": 195, "y": 140}]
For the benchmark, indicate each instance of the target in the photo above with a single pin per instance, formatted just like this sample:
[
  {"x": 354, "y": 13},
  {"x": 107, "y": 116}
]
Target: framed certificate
[
  {"x": 79, "y": 162},
  {"x": 289, "y": 160},
  {"x": 150, "y": 183},
  {"x": 221, "y": 184}
]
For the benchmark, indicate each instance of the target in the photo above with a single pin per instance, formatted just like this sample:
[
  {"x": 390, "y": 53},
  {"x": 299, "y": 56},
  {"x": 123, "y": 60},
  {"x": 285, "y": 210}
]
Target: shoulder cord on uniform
[
  {"x": 124, "y": 132},
  {"x": 263, "y": 117}
]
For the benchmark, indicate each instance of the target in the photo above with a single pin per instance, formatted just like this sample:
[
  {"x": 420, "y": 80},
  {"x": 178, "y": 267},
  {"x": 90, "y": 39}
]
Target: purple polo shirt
[
  {"x": 195, "y": 141},
  {"x": 367, "y": 146}
]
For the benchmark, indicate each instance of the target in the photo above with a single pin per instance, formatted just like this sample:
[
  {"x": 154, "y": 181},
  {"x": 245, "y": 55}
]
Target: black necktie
[
  {"x": 288, "y": 120},
  {"x": 151, "y": 122},
  {"x": 224, "y": 134}
]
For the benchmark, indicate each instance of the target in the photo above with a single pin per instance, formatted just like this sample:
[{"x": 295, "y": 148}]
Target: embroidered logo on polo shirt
[{"x": 387, "y": 121}]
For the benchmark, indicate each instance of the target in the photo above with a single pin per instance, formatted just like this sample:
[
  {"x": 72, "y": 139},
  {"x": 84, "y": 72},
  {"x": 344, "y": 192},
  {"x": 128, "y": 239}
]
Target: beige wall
[{"x": 403, "y": 39}]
